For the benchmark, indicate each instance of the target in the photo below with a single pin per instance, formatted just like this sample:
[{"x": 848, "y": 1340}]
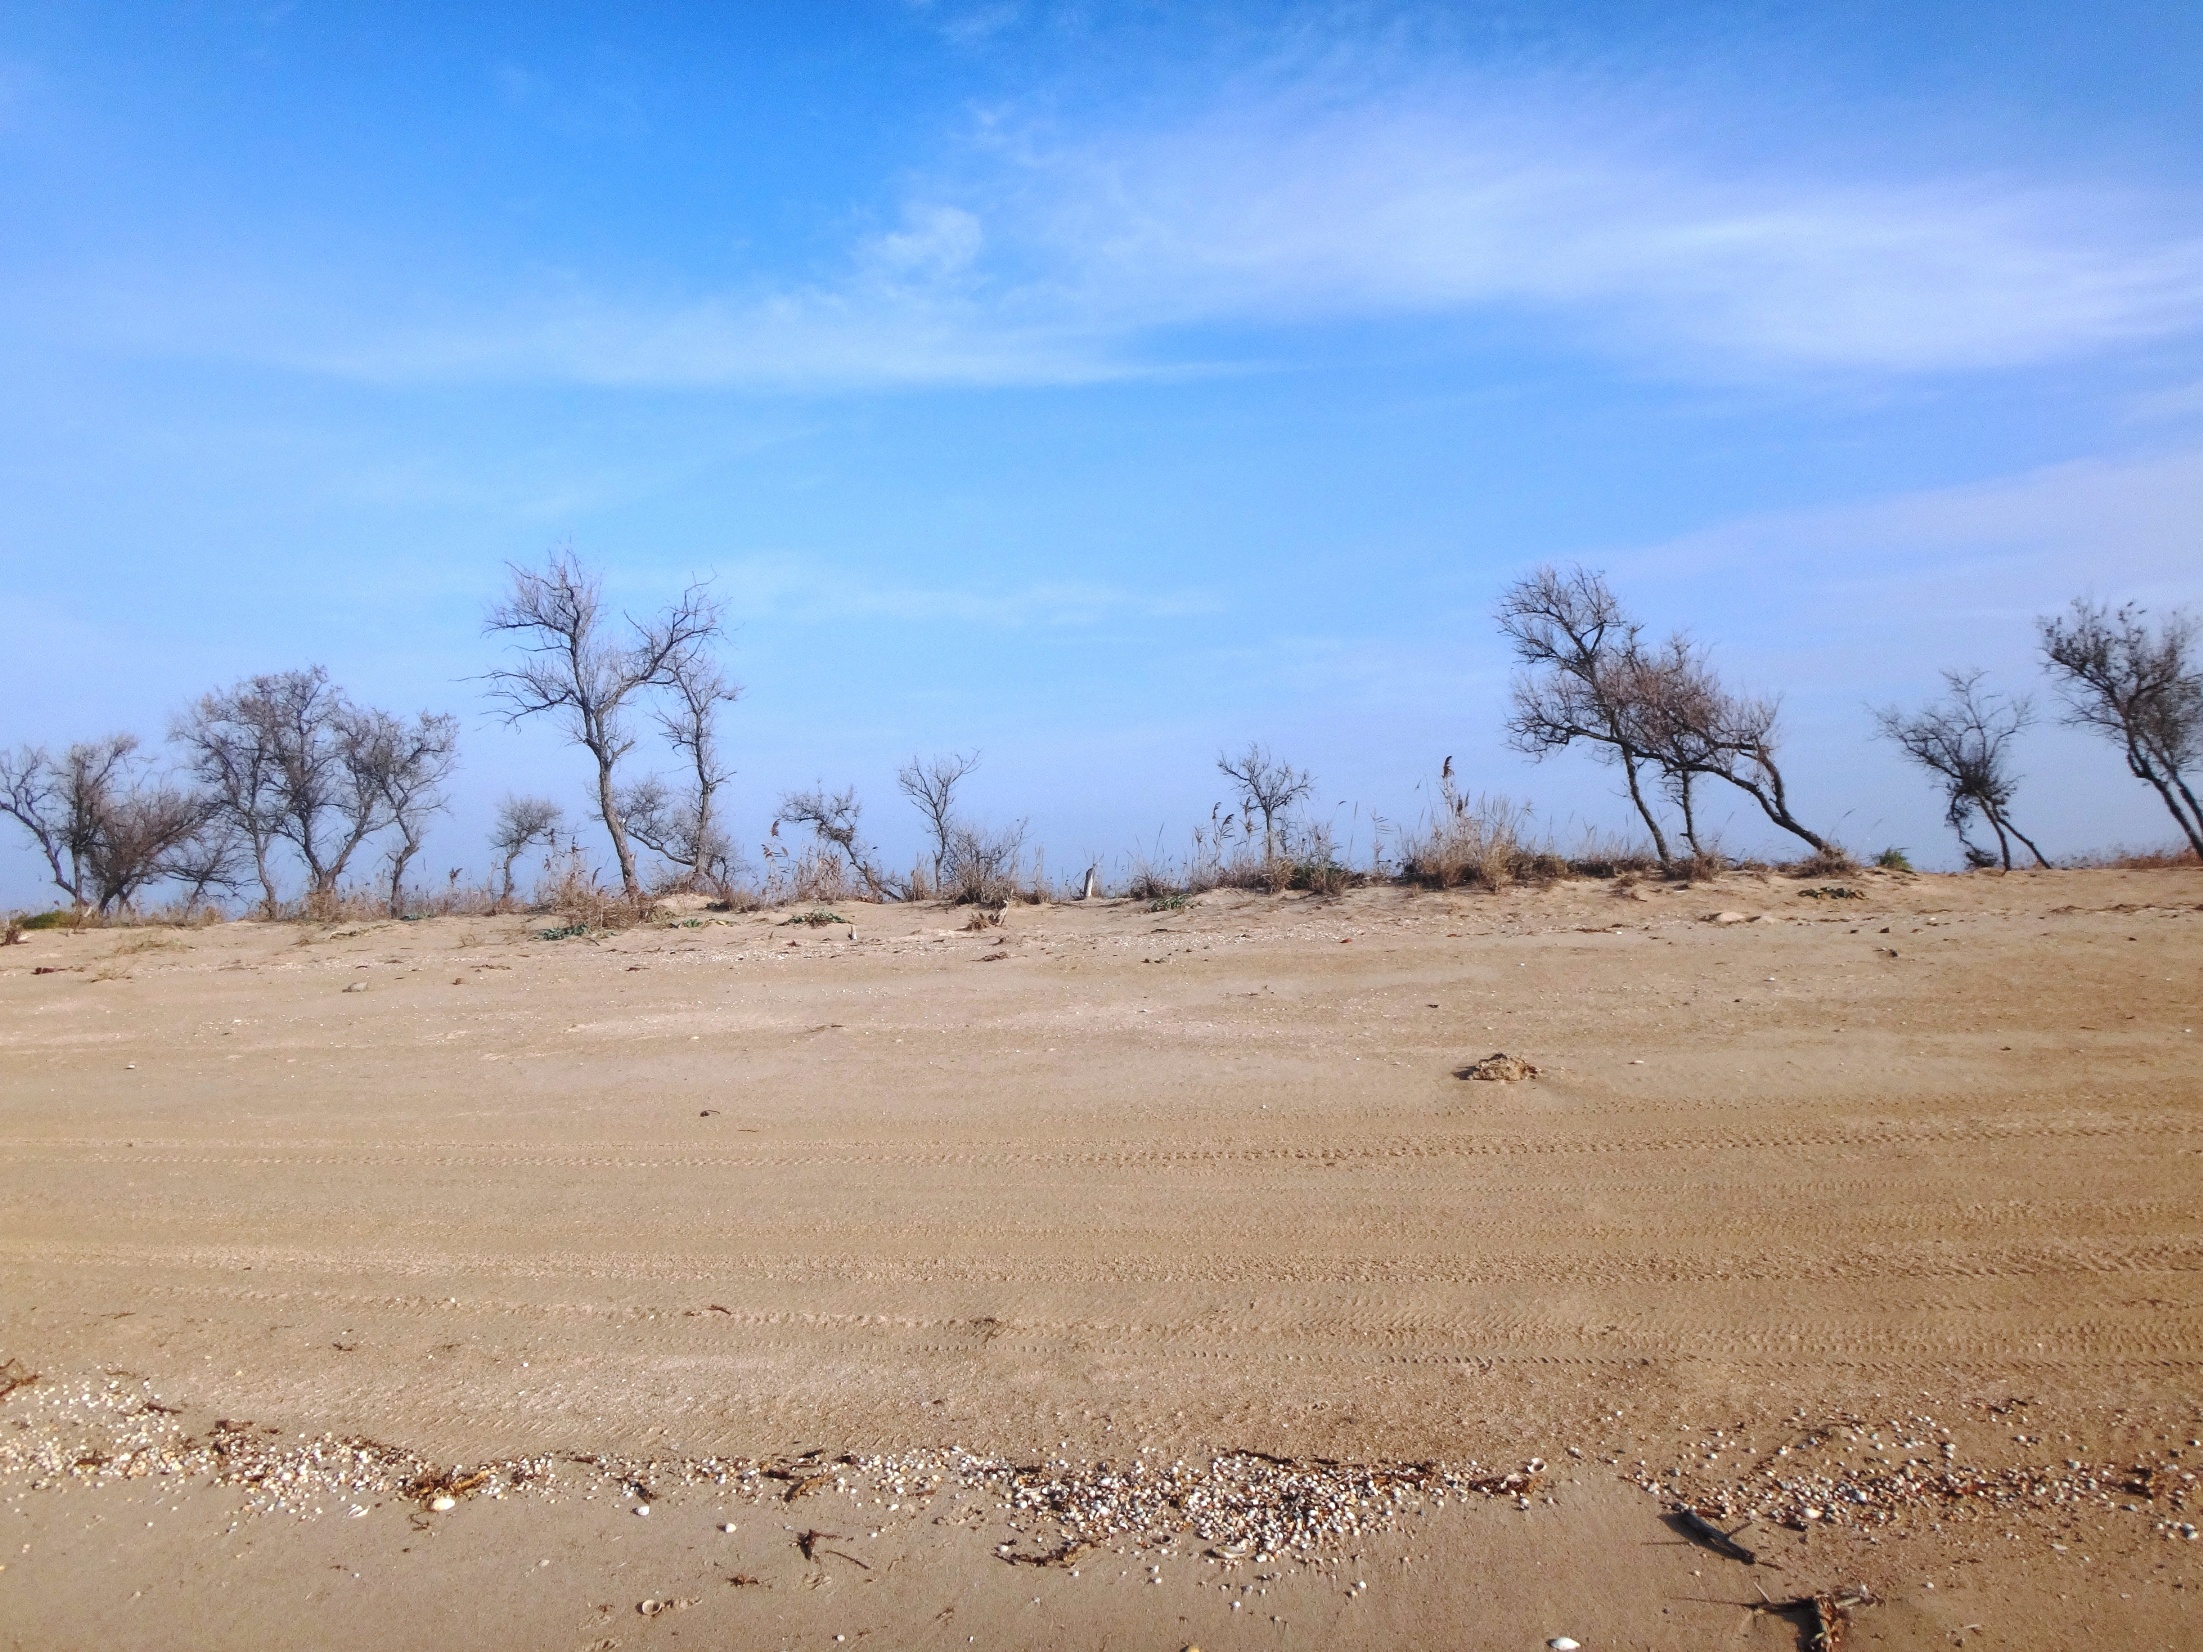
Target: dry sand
[{"x": 1884, "y": 1208}]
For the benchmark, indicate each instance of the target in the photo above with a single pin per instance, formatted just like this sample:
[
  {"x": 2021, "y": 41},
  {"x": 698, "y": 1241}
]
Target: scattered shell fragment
[
  {"x": 357, "y": 986},
  {"x": 443, "y": 1505},
  {"x": 1728, "y": 918},
  {"x": 1562, "y": 1643}
]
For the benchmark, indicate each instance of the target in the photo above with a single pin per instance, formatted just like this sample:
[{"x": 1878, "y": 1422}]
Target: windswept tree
[
  {"x": 577, "y": 665},
  {"x": 1267, "y": 786},
  {"x": 401, "y": 767},
  {"x": 833, "y": 819},
  {"x": 1965, "y": 741},
  {"x": 1692, "y": 725},
  {"x": 523, "y": 823},
  {"x": 2140, "y": 686},
  {"x": 1582, "y": 662},
  {"x": 931, "y": 787},
  {"x": 683, "y": 826},
  {"x": 107, "y": 826}
]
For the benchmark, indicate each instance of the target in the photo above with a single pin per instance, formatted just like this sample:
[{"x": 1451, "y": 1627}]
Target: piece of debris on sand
[{"x": 1498, "y": 1067}]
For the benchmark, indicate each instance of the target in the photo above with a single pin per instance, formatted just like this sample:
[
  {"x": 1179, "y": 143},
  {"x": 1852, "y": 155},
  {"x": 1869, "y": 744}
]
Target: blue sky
[{"x": 1101, "y": 385}]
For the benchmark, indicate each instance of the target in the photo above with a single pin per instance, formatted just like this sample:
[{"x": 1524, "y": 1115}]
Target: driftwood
[{"x": 1700, "y": 1530}]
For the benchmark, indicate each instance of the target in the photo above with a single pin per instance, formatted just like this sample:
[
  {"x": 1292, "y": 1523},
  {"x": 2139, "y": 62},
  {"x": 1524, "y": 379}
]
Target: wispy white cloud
[
  {"x": 1463, "y": 200},
  {"x": 1567, "y": 212}
]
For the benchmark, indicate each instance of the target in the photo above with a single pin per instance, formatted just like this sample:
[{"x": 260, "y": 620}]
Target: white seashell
[
  {"x": 443, "y": 1505},
  {"x": 1561, "y": 1643},
  {"x": 642, "y": 1508},
  {"x": 728, "y": 1527}
]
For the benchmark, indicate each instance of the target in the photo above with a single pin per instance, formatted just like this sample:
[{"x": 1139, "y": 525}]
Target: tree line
[{"x": 284, "y": 777}]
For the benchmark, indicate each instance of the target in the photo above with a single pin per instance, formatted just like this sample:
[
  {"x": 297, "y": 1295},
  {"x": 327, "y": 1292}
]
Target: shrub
[
  {"x": 1830, "y": 862},
  {"x": 58, "y": 918},
  {"x": 1893, "y": 859}
]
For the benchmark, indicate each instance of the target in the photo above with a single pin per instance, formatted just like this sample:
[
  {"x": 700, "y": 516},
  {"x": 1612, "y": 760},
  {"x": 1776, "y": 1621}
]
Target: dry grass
[{"x": 2170, "y": 858}]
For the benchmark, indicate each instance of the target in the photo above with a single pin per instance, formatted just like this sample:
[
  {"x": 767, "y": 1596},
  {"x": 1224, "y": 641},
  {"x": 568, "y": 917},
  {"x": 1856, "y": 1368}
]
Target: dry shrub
[
  {"x": 573, "y": 892},
  {"x": 982, "y": 867},
  {"x": 1831, "y": 862},
  {"x": 817, "y": 876},
  {"x": 1479, "y": 840}
]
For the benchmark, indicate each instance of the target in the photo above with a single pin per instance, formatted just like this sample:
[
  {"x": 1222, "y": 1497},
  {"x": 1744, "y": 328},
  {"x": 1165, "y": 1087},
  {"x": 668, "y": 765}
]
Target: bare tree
[
  {"x": 684, "y": 828},
  {"x": 1693, "y": 725},
  {"x": 399, "y": 769},
  {"x": 230, "y": 740},
  {"x": 931, "y": 785},
  {"x": 573, "y": 666},
  {"x": 1965, "y": 741},
  {"x": 522, "y": 824},
  {"x": 1680, "y": 715},
  {"x": 1582, "y": 660},
  {"x": 106, "y": 826},
  {"x": 2139, "y": 686},
  {"x": 832, "y": 818},
  {"x": 1266, "y": 786},
  {"x": 214, "y": 858}
]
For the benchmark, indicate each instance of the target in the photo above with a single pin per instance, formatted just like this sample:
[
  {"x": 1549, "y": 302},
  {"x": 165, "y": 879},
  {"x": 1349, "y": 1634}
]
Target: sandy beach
[{"x": 1117, "y": 1277}]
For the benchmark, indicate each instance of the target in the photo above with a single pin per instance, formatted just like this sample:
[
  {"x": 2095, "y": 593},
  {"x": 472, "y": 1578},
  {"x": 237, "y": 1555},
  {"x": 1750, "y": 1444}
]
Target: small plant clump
[
  {"x": 817, "y": 918},
  {"x": 564, "y": 932},
  {"x": 1893, "y": 859}
]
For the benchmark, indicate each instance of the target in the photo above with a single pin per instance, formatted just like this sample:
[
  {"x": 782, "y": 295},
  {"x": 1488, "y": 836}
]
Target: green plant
[
  {"x": 58, "y": 918},
  {"x": 1175, "y": 901},
  {"x": 564, "y": 932},
  {"x": 816, "y": 918},
  {"x": 1893, "y": 859}
]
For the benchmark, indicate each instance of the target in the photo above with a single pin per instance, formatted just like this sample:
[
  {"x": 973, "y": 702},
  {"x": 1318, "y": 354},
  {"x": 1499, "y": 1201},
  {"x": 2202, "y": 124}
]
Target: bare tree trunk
[
  {"x": 1637, "y": 796},
  {"x": 2173, "y": 792},
  {"x": 609, "y": 807},
  {"x": 399, "y": 858},
  {"x": 2040, "y": 859}
]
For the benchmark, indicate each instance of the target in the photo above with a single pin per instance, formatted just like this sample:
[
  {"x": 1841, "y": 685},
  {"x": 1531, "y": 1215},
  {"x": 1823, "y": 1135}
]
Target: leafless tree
[
  {"x": 1965, "y": 740},
  {"x": 523, "y": 823},
  {"x": 398, "y": 770},
  {"x": 215, "y": 858},
  {"x": 574, "y": 666},
  {"x": 315, "y": 795},
  {"x": 1267, "y": 787},
  {"x": 1583, "y": 668},
  {"x": 1682, "y": 716},
  {"x": 833, "y": 819},
  {"x": 684, "y": 828},
  {"x": 931, "y": 785},
  {"x": 106, "y": 825},
  {"x": 2140, "y": 686},
  {"x": 230, "y": 740}
]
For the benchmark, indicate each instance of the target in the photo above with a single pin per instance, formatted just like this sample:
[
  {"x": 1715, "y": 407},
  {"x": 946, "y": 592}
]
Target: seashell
[{"x": 443, "y": 1505}]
